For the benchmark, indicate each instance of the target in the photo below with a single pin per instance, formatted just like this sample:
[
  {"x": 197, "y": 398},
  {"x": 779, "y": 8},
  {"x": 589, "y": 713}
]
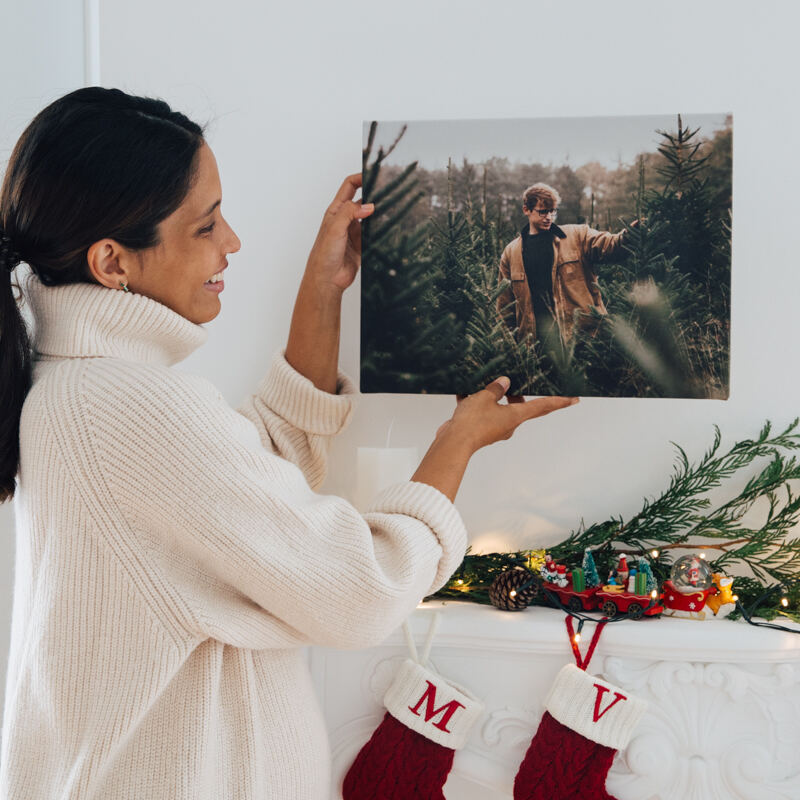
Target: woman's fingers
[
  {"x": 530, "y": 409},
  {"x": 348, "y": 188},
  {"x": 348, "y": 213},
  {"x": 350, "y": 185},
  {"x": 497, "y": 388},
  {"x": 363, "y": 210}
]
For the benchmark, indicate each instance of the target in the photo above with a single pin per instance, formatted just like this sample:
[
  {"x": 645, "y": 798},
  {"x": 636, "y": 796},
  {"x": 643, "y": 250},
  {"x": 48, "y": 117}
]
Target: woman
[{"x": 172, "y": 555}]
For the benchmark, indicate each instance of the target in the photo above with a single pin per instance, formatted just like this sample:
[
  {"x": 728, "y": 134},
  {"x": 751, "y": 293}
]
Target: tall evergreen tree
[
  {"x": 644, "y": 568},
  {"x": 404, "y": 338},
  {"x": 590, "y": 569},
  {"x": 664, "y": 335}
]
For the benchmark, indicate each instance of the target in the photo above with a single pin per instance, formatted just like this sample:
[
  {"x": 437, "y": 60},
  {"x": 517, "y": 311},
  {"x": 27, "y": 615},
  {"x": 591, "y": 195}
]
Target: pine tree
[
  {"x": 590, "y": 569},
  {"x": 697, "y": 225},
  {"x": 644, "y": 567},
  {"x": 663, "y": 336},
  {"x": 403, "y": 336}
]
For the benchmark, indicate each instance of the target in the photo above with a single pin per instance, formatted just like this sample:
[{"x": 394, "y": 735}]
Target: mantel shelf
[{"x": 542, "y": 630}]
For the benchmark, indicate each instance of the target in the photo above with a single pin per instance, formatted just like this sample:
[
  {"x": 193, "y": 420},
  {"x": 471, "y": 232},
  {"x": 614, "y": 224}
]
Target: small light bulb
[
  {"x": 735, "y": 598},
  {"x": 702, "y": 555},
  {"x": 654, "y": 594},
  {"x": 460, "y": 581},
  {"x": 784, "y": 602},
  {"x": 512, "y": 593},
  {"x": 576, "y": 638},
  {"x": 654, "y": 553}
]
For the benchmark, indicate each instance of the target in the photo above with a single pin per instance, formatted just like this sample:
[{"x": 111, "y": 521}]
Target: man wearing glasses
[{"x": 551, "y": 271}]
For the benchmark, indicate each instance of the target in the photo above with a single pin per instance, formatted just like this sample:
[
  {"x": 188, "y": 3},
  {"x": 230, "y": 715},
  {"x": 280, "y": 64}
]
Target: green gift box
[
  {"x": 578, "y": 580},
  {"x": 641, "y": 583}
]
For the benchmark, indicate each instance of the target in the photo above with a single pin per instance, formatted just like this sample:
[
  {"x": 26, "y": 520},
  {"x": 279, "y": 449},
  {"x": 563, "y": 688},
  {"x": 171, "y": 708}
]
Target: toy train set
[{"x": 692, "y": 592}]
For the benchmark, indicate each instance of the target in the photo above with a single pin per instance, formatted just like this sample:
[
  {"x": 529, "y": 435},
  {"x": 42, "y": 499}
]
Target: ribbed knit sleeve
[
  {"x": 296, "y": 419},
  {"x": 430, "y": 507},
  {"x": 252, "y": 556}
]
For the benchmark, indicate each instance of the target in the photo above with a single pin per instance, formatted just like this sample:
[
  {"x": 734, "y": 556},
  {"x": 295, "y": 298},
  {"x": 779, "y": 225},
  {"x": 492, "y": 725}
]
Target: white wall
[
  {"x": 42, "y": 57},
  {"x": 286, "y": 87}
]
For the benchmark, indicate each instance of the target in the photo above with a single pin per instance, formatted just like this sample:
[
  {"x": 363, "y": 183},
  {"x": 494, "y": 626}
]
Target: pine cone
[{"x": 512, "y": 579}]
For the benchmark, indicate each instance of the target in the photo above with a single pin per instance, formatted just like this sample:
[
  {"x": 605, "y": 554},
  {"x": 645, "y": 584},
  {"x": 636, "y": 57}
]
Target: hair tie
[{"x": 9, "y": 257}]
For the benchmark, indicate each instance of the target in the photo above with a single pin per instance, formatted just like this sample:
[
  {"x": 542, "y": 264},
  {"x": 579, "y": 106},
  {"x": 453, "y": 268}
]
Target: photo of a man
[{"x": 578, "y": 257}]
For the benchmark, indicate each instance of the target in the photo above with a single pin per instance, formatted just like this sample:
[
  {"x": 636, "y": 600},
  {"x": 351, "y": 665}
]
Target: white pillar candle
[{"x": 379, "y": 467}]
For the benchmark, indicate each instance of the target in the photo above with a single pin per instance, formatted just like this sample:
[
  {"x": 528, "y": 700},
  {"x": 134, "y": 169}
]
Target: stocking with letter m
[{"x": 411, "y": 752}]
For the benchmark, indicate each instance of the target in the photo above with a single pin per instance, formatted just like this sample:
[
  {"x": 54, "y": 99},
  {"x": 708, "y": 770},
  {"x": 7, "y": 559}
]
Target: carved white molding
[
  {"x": 712, "y": 731},
  {"x": 509, "y": 728}
]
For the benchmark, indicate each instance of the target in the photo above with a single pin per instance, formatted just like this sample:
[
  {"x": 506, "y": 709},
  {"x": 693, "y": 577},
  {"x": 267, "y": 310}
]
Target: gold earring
[{"x": 124, "y": 286}]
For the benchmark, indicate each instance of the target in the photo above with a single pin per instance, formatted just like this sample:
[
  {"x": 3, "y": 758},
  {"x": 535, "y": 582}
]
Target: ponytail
[{"x": 15, "y": 379}]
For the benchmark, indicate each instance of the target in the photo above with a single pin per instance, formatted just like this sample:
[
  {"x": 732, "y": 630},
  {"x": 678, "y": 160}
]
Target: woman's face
[{"x": 194, "y": 242}]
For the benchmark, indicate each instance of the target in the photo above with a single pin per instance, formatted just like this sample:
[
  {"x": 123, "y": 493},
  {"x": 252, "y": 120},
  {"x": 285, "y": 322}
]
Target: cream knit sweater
[{"x": 173, "y": 559}]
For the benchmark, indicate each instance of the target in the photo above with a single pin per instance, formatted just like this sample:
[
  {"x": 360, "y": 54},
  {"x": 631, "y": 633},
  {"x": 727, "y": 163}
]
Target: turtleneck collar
[{"x": 86, "y": 320}]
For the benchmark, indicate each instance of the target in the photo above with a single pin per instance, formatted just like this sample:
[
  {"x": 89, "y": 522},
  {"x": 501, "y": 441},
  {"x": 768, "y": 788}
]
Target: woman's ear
[{"x": 105, "y": 264}]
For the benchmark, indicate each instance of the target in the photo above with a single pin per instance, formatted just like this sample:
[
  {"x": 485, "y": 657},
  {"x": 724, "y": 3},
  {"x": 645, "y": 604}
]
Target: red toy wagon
[
  {"x": 636, "y": 606},
  {"x": 574, "y": 601}
]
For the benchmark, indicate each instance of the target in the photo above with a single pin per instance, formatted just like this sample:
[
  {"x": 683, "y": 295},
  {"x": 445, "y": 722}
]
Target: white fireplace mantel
[{"x": 723, "y": 719}]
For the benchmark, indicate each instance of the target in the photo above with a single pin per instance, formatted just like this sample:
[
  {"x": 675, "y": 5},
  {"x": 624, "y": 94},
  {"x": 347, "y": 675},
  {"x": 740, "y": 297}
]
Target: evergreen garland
[{"x": 684, "y": 518}]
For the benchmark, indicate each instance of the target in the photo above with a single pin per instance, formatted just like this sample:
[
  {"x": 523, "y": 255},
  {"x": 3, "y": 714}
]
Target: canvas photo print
[{"x": 578, "y": 256}]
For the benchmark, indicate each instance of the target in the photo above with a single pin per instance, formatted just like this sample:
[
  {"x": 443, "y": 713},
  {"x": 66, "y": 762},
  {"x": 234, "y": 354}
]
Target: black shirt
[{"x": 537, "y": 257}]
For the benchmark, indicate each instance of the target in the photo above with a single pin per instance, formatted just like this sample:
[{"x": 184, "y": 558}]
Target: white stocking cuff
[
  {"x": 437, "y": 708},
  {"x": 594, "y": 708}
]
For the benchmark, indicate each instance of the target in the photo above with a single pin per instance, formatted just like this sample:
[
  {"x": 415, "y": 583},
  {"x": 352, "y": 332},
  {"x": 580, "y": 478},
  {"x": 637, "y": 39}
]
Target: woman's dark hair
[{"x": 97, "y": 163}]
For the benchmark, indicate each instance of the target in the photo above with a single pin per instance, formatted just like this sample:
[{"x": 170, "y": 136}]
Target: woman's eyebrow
[{"x": 206, "y": 213}]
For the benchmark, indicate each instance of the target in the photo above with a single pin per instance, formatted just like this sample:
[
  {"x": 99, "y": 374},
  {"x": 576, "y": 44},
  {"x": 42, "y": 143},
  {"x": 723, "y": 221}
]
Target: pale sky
[{"x": 566, "y": 140}]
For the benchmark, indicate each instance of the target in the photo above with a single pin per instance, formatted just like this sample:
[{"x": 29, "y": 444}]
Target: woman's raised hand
[
  {"x": 479, "y": 420},
  {"x": 313, "y": 346},
  {"x": 336, "y": 255}
]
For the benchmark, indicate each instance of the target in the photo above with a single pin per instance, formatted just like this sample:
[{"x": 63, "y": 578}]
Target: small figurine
[
  {"x": 723, "y": 602},
  {"x": 693, "y": 573},
  {"x": 622, "y": 570},
  {"x": 549, "y": 570}
]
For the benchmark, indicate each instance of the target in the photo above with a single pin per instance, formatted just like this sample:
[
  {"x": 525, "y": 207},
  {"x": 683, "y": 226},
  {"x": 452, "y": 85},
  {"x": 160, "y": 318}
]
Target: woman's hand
[
  {"x": 313, "y": 346},
  {"x": 336, "y": 255},
  {"x": 479, "y": 420}
]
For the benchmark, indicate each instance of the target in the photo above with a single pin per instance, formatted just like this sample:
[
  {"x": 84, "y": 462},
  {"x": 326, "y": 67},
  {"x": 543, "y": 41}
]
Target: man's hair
[{"x": 540, "y": 191}]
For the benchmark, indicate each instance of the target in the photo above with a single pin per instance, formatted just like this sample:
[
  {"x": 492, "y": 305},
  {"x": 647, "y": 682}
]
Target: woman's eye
[{"x": 208, "y": 228}]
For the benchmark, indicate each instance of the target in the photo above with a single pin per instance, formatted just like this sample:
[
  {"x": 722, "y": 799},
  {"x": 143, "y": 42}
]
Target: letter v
[{"x": 601, "y": 690}]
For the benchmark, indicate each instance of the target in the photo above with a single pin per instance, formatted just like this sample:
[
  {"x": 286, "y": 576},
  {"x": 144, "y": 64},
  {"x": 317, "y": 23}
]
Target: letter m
[{"x": 447, "y": 710}]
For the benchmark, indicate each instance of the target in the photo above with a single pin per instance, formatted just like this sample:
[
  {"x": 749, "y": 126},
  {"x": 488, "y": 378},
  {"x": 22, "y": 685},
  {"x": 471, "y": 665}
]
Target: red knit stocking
[
  {"x": 411, "y": 752},
  {"x": 398, "y": 763},
  {"x": 563, "y": 765},
  {"x": 585, "y": 722}
]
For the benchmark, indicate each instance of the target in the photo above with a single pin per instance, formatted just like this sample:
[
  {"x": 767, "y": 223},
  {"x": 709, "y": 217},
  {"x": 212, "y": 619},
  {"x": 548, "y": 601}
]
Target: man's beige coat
[{"x": 576, "y": 248}]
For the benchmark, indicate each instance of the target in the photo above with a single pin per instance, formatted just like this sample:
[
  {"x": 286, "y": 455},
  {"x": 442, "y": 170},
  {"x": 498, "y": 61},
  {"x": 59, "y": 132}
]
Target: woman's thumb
[{"x": 499, "y": 387}]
